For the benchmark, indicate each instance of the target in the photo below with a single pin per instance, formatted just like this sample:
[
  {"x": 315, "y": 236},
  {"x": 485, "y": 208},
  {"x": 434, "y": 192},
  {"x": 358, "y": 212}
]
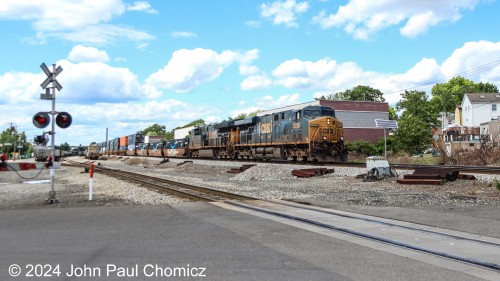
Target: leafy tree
[
  {"x": 361, "y": 147},
  {"x": 415, "y": 103},
  {"x": 244, "y": 115},
  {"x": 413, "y": 134},
  {"x": 10, "y": 135},
  {"x": 485, "y": 88},
  {"x": 154, "y": 129},
  {"x": 66, "y": 147},
  {"x": 193, "y": 123},
  {"x": 392, "y": 113},
  {"x": 358, "y": 93},
  {"x": 446, "y": 96},
  {"x": 169, "y": 135},
  {"x": 414, "y": 126}
]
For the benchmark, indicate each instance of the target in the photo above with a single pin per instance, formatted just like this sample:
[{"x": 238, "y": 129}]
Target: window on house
[{"x": 493, "y": 107}]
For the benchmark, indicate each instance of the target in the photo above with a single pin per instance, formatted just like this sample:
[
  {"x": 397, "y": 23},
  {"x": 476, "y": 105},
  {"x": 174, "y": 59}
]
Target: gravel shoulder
[{"x": 470, "y": 200}]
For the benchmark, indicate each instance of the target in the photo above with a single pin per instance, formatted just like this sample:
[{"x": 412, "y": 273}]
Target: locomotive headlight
[{"x": 327, "y": 121}]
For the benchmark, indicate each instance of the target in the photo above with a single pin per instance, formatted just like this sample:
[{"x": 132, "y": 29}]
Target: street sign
[
  {"x": 47, "y": 95},
  {"x": 389, "y": 124},
  {"x": 51, "y": 77},
  {"x": 386, "y": 124}
]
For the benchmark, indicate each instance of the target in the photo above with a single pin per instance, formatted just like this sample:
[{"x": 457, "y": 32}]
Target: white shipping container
[
  {"x": 182, "y": 133},
  {"x": 151, "y": 139}
]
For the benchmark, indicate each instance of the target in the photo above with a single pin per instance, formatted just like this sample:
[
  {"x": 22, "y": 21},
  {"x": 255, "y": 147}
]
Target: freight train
[
  {"x": 310, "y": 134},
  {"x": 42, "y": 153}
]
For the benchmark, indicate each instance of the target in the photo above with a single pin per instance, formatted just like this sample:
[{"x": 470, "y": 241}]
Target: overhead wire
[{"x": 466, "y": 73}]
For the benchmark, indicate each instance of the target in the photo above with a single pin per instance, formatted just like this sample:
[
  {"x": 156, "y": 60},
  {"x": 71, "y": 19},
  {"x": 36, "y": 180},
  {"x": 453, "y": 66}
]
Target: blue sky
[{"x": 130, "y": 64}]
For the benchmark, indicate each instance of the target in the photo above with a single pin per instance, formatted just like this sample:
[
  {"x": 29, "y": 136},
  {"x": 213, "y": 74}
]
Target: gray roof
[{"x": 483, "y": 97}]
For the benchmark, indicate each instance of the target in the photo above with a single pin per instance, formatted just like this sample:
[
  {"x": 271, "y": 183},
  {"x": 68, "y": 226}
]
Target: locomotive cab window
[
  {"x": 311, "y": 113},
  {"x": 327, "y": 112},
  {"x": 276, "y": 117}
]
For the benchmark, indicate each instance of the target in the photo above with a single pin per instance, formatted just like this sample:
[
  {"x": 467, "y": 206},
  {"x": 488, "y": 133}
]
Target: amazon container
[
  {"x": 142, "y": 149},
  {"x": 155, "y": 149}
]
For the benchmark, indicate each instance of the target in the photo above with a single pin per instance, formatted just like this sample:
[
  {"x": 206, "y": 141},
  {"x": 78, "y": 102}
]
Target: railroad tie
[
  {"x": 307, "y": 173},
  {"x": 240, "y": 169},
  {"x": 434, "y": 176}
]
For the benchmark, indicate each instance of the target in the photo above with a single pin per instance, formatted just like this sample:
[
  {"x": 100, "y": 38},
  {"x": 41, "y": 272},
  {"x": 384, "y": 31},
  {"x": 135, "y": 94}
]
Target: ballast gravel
[{"x": 264, "y": 180}]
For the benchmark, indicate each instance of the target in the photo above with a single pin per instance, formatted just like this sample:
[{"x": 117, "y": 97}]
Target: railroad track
[
  {"x": 162, "y": 185},
  {"x": 481, "y": 254},
  {"x": 476, "y": 254},
  {"x": 461, "y": 168}
]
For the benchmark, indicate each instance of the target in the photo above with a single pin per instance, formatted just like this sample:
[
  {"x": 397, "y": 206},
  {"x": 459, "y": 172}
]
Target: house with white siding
[{"x": 479, "y": 108}]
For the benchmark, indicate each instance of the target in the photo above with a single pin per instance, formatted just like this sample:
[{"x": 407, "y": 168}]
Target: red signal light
[
  {"x": 63, "y": 120},
  {"x": 41, "y": 120}
]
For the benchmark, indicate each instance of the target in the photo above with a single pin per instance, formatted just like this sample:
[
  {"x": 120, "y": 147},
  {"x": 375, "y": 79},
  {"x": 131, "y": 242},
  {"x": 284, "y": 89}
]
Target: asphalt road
[{"x": 196, "y": 239}]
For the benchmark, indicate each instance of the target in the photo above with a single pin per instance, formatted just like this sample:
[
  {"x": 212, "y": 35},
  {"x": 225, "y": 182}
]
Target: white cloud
[
  {"x": 188, "y": 69},
  {"x": 142, "y": 6},
  {"x": 142, "y": 46},
  {"x": 256, "y": 82},
  {"x": 266, "y": 102},
  {"x": 468, "y": 58},
  {"x": 20, "y": 87},
  {"x": 52, "y": 15},
  {"x": 326, "y": 76},
  {"x": 81, "y": 53},
  {"x": 94, "y": 82},
  {"x": 247, "y": 70},
  {"x": 269, "y": 102},
  {"x": 102, "y": 34},
  {"x": 182, "y": 34},
  {"x": 362, "y": 18},
  {"x": 284, "y": 12},
  {"x": 76, "y": 21},
  {"x": 253, "y": 23}
]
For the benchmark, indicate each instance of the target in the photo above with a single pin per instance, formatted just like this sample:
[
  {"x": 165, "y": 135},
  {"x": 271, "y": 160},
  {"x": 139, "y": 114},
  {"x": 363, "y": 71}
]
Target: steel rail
[
  {"x": 479, "y": 263},
  {"x": 437, "y": 233},
  {"x": 185, "y": 190}
]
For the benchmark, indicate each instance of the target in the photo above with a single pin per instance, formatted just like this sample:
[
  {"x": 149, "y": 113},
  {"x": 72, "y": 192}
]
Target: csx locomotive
[{"x": 311, "y": 134}]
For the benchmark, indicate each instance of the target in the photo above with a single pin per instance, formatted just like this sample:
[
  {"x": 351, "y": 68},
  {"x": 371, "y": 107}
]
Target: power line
[{"x": 464, "y": 74}]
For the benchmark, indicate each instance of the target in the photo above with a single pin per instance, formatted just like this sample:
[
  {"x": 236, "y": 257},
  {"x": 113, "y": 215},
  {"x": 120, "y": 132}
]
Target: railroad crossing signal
[
  {"x": 63, "y": 120},
  {"x": 41, "y": 120},
  {"x": 51, "y": 77}
]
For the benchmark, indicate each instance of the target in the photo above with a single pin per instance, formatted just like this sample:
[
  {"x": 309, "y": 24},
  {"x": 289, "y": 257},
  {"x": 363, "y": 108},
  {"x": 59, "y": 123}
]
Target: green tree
[
  {"x": 244, "y": 115},
  {"x": 485, "y": 88},
  {"x": 446, "y": 96},
  {"x": 392, "y": 113},
  {"x": 192, "y": 123},
  {"x": 66, "y": 147},
  {"x": 414, "y": 126},
  {"x": 154, "y": 129},
  {"x": 12, "y": 136},
  {"x": 413, "y": 134},
  {"x": 358, "y": 93},
  {"x": 416, "y": 103}
]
